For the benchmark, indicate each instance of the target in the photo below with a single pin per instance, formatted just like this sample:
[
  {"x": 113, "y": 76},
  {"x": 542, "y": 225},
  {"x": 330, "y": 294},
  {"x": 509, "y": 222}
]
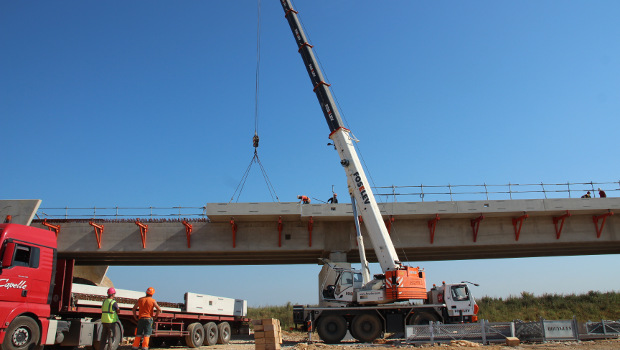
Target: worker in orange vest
[
  {"x": 304, "y": 199},
  {"x": 144, "y": 311}
]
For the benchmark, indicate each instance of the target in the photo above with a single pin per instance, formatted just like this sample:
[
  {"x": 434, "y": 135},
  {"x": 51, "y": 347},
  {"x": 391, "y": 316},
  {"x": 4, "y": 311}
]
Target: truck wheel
[
  {"x": 22, "y": 334},
  {"x": 423, "y": 318},
  {"x": 211, "y": 334},
  {"x": 366, "y": 328},
  {"x": 223, "y": 331},
  {"x": 196, "y": 335},
  {"x": 332, "y": 328}
]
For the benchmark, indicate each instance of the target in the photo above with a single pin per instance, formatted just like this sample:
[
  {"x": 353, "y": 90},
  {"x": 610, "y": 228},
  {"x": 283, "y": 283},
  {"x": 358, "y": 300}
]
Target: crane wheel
[
  {"x": 211, "y": 334},
  {"x": 332, "y": 328},
  {"x": 366, "y": 328},
  {"x": 423, "y": 318}
]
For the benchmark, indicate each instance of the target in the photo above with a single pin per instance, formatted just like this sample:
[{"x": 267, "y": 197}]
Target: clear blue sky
[{"x": 151, "y": 103}]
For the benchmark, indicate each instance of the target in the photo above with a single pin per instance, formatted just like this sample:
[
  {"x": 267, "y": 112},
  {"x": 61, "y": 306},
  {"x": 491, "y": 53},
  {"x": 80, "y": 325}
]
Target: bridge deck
[{"x": 290, "y": 233}]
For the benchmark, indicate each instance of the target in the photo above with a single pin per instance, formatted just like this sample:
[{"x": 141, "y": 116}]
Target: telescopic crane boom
[{"x": 401, "y": 282}]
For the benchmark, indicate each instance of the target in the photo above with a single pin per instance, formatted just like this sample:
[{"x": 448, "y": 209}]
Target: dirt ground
[{"x": 298, "y": 341}]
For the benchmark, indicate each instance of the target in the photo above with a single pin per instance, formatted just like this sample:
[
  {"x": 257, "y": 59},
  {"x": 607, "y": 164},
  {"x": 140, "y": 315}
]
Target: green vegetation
[
  {"x": 592, "y": 306},
  {"x": 282, "y": 313}
]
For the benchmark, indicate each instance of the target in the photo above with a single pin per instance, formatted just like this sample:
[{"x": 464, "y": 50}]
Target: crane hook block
[{"x": 255, "y": 140}]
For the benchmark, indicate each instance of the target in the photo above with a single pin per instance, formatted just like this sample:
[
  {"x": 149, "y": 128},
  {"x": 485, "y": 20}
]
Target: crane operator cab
[
  {"x": 460, "y": 304},
  {"x": 343, "y": 289}
]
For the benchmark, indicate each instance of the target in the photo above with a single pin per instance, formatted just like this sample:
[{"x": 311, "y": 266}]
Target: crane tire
[
  {"x": 332, "y": 328},
  {"x": 211, "y": 334},
  {"x": 196, "y": 335},
  {"x": 223, "y": 333},
  {"x": 366, "y": 327},
  {"x": 423, "y": 318},
  {"x": 22, "y": 334}
]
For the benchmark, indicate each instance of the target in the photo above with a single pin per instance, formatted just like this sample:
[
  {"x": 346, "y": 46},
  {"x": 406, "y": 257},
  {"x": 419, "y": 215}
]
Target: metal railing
[
  {"x": 494, "y": 192},
  {"x": 123, "y": 213},
  {"x": 384, "y": 193}
]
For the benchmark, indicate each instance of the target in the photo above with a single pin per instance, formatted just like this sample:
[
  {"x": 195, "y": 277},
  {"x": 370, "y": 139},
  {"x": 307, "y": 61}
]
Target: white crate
[{"x": 209, "y": 304}]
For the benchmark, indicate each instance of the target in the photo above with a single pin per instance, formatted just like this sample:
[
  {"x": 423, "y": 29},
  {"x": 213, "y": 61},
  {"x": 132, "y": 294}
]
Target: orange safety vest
[
  {"x": 305, "y": 199},
  {"x": 145, "y": 307}
]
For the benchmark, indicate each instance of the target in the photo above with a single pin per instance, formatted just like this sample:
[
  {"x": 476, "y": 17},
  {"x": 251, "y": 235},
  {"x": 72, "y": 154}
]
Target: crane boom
[{"x": 356, "y": 178}]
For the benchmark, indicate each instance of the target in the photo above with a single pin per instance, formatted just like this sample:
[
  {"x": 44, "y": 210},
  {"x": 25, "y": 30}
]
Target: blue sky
[{"x": 151, "y": 103}]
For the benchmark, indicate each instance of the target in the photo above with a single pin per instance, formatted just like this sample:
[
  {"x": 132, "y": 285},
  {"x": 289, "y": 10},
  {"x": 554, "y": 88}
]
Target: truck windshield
[{"x": 460, "y": 293}]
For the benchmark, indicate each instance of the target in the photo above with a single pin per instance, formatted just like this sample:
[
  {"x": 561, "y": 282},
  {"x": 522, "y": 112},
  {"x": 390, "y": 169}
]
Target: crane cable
[{"x": 255, "y": 139}]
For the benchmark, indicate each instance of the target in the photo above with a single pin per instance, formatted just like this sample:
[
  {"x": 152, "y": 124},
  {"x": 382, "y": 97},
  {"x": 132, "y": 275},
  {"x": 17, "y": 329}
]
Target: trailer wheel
[
  {"x": 366, "y": 328},
  {"x": 22, "y": 334},
  {"x": 98, "y": 345},
  {"x": 196, "y": 335},
  {"x": 423, "y": 318},
  {"x": 223, "y": 331},
  {"x": 211, "y": 333},
  {"x": 332, "y": 328}
]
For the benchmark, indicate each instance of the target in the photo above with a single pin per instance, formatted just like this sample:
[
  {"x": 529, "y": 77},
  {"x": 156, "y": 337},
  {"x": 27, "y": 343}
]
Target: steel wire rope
[{"x": 255, "y": 139}]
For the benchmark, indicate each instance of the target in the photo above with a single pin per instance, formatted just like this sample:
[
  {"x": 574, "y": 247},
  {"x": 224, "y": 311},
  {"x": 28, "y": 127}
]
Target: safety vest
[{"x": 108, "y": 315}]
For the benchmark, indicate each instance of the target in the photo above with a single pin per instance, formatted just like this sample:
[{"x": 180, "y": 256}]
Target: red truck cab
[{"x": 27, "y": 273}]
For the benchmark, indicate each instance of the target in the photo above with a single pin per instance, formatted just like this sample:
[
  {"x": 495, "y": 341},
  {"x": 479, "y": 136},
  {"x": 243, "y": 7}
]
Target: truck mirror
[{"x": 7, "y": 257}]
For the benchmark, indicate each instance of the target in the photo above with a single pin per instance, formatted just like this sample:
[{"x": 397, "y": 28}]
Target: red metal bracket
[
  {"x": 560, "y": 219},
  {"x": 388, "y": 224},
  {"x": 98, "y": 232},
  {"x": 475, "y": 225},
  {"x": 595, "y": 219},
  {"x": 518, "y": 222},
  {"x": 432, "y": 224},
  {"x": 310, "y": 226},
  {"x": 280, "y": 231},
  {"x": 55, "y": 228},
  {"x": 188, "y": 232},
  {"x": 234, "y": 231},
  {"x": 143, "y": 230},
  {"x": 289, "y": 11}
]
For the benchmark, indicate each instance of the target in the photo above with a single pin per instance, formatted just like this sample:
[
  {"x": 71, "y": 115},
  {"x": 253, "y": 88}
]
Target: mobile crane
[{"x": 370, "y": 308}]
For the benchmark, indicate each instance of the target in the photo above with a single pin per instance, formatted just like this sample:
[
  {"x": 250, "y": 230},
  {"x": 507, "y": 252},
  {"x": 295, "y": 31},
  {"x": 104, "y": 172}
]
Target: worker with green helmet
[{"x": 109, "y": 316}]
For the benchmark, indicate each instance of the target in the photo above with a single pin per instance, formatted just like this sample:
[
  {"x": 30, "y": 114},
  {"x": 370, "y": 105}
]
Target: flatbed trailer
[{"x": 40, "y": 304}]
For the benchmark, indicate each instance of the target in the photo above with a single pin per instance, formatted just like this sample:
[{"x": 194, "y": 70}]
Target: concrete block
[{"x": 512, "y": 341}]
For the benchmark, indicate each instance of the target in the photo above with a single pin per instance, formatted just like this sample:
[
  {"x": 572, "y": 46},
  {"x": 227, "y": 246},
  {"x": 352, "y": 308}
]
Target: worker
[
  {"x": 304, "y": 199},
  {"x": 144, "y": 311},
  {"x": 334, "y": 199},
  {"x": 587, "y": 195},
  {"x": 109, "y": 317},
  {"x": 601, "y": 193}
]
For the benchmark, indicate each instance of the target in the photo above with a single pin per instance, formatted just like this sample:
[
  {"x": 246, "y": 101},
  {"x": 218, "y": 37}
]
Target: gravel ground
[{"x": 298, "y": 341}]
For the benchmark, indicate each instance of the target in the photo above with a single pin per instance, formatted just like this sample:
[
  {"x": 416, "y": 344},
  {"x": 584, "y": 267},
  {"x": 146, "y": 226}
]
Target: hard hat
[
  {"x": 111, "y": 291},
  {"x": 298, "y": 197},
  {"x": 150, "y": 291}
]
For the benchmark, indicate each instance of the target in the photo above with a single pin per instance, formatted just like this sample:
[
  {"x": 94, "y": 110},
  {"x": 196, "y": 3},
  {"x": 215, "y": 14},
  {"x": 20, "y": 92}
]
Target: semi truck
[
  {"x": 349, "y": 299},
  {"x": 40, "y": 305}
]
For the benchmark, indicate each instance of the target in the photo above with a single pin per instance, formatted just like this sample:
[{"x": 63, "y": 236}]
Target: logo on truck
[
  {"x": 360, "y": 186},
  {"x": 4, "y": 283}
]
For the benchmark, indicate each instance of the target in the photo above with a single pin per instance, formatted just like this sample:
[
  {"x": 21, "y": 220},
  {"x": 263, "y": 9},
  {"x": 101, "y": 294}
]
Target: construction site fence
[
  {"x": 384, "y": 193},
  {"x": 491, "y": 332},
  {"x": 603, "y": 327}
]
